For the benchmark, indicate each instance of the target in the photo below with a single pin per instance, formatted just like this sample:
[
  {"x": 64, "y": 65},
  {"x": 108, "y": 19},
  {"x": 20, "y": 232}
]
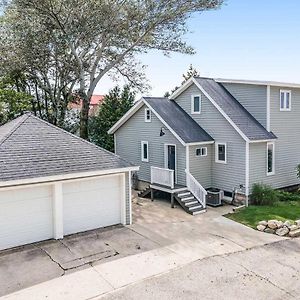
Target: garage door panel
[
  {"x": 91, "y": 204},
  {"x": 25, "y": 216}
]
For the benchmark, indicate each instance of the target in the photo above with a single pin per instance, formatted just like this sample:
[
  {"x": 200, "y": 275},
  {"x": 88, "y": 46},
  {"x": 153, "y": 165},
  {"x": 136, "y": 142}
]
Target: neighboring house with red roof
[{"x": 95, "y": 103}]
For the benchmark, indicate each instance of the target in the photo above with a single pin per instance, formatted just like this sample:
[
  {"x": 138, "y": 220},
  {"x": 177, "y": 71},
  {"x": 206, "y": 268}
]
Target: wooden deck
[{"x": 164, "y": 188}]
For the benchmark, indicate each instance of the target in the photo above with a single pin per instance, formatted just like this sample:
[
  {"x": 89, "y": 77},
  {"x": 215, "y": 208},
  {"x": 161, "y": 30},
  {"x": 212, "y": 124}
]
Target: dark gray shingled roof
[
  {"x": 31, "y": 147},
  {"x": 250, "y": 127},
  {"x": 182, "y": 124}
]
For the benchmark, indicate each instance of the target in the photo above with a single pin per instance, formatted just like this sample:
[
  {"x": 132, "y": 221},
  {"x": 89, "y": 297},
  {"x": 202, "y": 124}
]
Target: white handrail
[
  {"x": 162, "y": 176},
  {"x": 196, "y": 188}
]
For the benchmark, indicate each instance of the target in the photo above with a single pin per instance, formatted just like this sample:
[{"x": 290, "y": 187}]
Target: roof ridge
[
  {"x": 77, "y": 137},
  {"x": 14, "y": 128}
]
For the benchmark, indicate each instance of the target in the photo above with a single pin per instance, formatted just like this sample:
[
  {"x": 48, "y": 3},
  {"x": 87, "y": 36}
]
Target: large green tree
[
  {"x": 101, "y": 38},
  {"x": 13, "y": 101},
  {"x": 114, "y": 106}
]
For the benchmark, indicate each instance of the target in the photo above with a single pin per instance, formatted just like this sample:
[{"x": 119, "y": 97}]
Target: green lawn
[{"x": 251, "y": 215}]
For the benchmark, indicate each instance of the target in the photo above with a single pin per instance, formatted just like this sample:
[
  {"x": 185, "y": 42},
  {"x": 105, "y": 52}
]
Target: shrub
[
  {"x": 285, "y": 196},
  {"x": 263, "y": 195},
  {"x": 298, "y": 171}
]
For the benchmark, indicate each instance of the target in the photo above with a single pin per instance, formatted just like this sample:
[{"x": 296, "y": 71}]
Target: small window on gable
[
  {"x": 285, "y": 100},
  {"x": 145, "y": 151},
  {"x": 270, "y": 159},
  {"x": 147, "y": 115},
  {"x": 196, "y": 104},
  {"x": 221, "y": 153},
  {"x": 201, "y": 151}
]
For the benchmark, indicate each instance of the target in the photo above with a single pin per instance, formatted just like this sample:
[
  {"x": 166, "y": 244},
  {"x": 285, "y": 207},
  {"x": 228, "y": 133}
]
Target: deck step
[
  {"x": 188, "y": 204},
  {"x": 195, "y": 207},
  {"x": 198, "y": 212},
  {"x": 184, "y": 194},
  {"x": 187, "y": 198}
]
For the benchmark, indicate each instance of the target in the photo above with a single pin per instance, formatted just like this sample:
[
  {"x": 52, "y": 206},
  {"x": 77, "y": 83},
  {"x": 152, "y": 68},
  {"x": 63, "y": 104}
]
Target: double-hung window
[
  {"x": 270, "y": 158},
  {"x": 145, "y": 151},
  {"x": 221, "y": 153},
  {"x": 147, "y": 115},
  {"x": 201, "y": 151},
  {"x": 285, "y": 100},
  {"x": 196, "y": 104}
]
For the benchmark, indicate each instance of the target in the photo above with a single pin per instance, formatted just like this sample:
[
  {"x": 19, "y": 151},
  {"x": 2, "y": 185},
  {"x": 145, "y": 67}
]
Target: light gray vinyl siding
[
  {"x": 128, "y": 145},
  {"x": 286, "y": 126},
  {"x": 224, "y": 176},
  {"x": 252, "y": 97},
  {"x": 201, "y": 166}
]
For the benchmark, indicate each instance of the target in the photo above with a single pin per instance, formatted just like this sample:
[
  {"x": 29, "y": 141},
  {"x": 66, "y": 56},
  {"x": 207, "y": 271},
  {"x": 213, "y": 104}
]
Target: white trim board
[{"x": 69, "y": 177}]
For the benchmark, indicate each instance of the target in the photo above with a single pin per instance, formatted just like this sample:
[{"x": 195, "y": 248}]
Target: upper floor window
[
  {"x": 270, "y": 158},
  {"x": 147, "y": 115},
  {"x": 196, "y": 104},
  {"x": 201, "y": 151},
  {"x": 145, "y": 151},
  {"x": 285, "y": 100},
  {"x": 221, "y": 153}
]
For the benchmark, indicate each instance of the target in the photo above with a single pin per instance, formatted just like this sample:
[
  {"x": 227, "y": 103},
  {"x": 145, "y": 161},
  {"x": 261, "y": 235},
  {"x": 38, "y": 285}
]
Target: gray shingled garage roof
[
  {"x": 180, "y": 122},
  {"x": 250, "y": 127},
  {"x": 31, "y": 148}
]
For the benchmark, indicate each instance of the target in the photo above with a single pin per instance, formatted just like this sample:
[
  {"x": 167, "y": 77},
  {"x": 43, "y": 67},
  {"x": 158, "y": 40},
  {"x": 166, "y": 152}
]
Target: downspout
[
  {"x": 268, "y": 108},
  {"x": 187, "y": 158},
  {"x": 247, "y": 171}
]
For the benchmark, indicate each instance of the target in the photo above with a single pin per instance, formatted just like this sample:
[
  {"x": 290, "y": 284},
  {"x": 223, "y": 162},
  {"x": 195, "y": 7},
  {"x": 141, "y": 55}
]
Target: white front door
[
  {"x": 25, "y": 216},
  {"x": 93, "y": 203}
]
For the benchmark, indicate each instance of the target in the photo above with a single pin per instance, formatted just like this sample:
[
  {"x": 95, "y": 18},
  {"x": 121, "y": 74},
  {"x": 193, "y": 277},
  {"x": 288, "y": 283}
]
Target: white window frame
[
  {"x": 193, "y": 106},
  {"x": 217, "y": 153},
  {"x": 285, "y": 102},
  {"x": 201, "y": 151},
  {"x": 273, "y": 161},
  {"x": 142, "y": 151},
  {"x": 150, "y": 115}
]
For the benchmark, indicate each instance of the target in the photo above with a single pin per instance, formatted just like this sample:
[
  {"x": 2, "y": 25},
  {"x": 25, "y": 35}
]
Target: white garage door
[
  {"x": 90, "y": 204},
  {"x": 25, "y": 216}
]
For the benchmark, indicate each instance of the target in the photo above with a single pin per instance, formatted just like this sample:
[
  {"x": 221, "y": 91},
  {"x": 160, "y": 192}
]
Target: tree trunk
[{"x": 84, "y": 117}]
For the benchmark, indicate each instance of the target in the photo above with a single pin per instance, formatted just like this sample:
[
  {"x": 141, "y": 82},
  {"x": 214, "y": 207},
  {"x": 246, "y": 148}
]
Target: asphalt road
[{"x": 265, "y": 272}]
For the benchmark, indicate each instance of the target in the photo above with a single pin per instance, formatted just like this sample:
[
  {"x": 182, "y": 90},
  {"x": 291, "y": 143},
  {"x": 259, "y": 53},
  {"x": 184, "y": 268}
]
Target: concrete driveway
[
  {"x": 160, "y": 240},
  {"x": 26, "y": 266}
]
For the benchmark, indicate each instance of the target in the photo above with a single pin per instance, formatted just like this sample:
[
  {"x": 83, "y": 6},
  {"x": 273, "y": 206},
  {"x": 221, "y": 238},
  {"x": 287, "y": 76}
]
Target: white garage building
[{"x": 53, "y": 183}]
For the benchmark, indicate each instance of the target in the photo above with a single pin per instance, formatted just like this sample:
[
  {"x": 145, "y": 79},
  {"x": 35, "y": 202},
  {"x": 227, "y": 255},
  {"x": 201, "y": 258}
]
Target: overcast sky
[{"x": 245, "y": 39}]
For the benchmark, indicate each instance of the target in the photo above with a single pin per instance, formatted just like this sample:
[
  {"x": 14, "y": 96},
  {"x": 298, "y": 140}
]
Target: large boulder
[
  {"x": 279, "y": 224},
  {"x": 287, "y": 224},
  {"x": 282, "y": 231},
  {"x": 261, "y": 227},
  {"x": 269, "y": 230},
  {"x": 272, "y": 224},
  {"x": 264, "y": 223},
  {"x": 297, "y": 222},
  {"x": 293, "y": 227},
  {"x": 294, "y": 233}
]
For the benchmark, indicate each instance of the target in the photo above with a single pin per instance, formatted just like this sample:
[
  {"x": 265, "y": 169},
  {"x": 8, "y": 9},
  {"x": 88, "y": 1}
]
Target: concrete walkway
[{"x": 181, "y": 239}]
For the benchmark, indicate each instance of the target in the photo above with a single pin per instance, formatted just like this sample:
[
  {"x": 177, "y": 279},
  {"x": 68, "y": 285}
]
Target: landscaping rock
[
  {"x": 269, "y": 230},
  {"x": 264, "y": 223},
  {"x": 297, "y": 222},
  {"x": 287, "y": 224},
  {"x": 272, "y": 224},
  {"x": 279, "y": 224},
  {"x": 294, "y": 233},
  {"x": 261, "y": 227},
  {"x": 282, "y": 231},
  {"x": 293, "y": 227}
]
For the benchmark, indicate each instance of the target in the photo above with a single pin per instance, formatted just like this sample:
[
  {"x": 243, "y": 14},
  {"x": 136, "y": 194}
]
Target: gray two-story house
[{"x": 214, "y": 133}]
